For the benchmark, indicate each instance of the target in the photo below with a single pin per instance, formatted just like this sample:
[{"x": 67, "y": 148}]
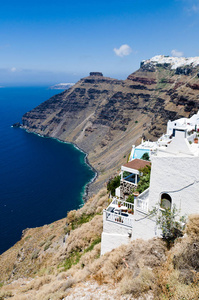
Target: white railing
[
  {"x": 119, "y": 219},
  {"x": 142, "y": 201},
  {"x": 124, "y": 203},
  {"x": 142, "y": 205},
  {"x": 144, "y": 195}
]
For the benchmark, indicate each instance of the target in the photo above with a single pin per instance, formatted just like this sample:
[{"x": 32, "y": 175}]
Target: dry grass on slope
[
  {"x": 143, "y": 266},
  {"x": 40, "y": 248},
  {"x": 133, "y": 270},
  {"x": 179, "y": 276},
  {"x": 127, "y": 266},
  {"x": 33, "y": 252}
]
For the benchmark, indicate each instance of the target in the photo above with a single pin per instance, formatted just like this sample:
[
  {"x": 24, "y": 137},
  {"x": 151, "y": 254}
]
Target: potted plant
[
  {"x": 119, "y": 203},
  {"x": 136, "y": 194}
]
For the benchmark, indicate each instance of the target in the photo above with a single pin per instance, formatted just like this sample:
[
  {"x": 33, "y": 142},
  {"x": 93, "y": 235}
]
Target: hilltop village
[{"x": 174, "y": 182}]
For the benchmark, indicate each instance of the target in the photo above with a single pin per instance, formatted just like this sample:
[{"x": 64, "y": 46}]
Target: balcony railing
[
  {"x": 142, "y": 205},
  {"x": 119, "y": 219},
  {"x": 142, "y": 201},
  {"x": 124, "y": 203}
]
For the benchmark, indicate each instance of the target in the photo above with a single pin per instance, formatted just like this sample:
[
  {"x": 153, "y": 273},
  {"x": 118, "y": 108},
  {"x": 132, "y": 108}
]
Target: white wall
[
  {"x": 112, "y": 241},
  {"x": 179, "y": 177},
  {"x": 117, "y": 192},
  {"x": 144, "y": 227},
  {"x": 176, "y": 176},
  {"x": 113, "y": 235}
]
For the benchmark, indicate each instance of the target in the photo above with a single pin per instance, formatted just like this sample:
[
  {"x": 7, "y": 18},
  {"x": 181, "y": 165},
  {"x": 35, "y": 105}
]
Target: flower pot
[{"x": 136, "y": 194}]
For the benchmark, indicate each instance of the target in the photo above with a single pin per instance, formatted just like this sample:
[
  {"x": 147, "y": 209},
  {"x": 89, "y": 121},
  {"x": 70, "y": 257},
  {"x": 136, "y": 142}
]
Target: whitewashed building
[{"x": 174, "y": 181}]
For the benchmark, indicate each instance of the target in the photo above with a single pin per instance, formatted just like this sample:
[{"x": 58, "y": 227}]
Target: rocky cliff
[{"x": 105, "y": 116}]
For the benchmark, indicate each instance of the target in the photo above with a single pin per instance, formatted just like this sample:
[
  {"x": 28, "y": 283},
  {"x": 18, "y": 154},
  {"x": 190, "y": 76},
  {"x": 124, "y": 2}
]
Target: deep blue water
[{"x": 40, "y": 178}]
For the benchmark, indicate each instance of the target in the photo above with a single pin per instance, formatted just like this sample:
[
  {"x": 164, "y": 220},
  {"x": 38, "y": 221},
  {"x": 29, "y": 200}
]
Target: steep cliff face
[{"x": 105, "y": 116}]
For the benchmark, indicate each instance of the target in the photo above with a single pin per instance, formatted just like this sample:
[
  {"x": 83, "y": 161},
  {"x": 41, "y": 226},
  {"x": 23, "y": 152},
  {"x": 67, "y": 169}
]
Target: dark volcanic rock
[
  {"x": 143, "y": 80},
  {"x": 96, "y": 74},
  {"x": 16, "y": 125},
  {"x": 184, "y": 71}
]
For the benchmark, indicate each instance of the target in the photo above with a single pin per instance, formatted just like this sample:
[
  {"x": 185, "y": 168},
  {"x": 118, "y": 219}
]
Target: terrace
[
  {"x": 120, "y": 213},
  {"x": 130, "y": 176}
]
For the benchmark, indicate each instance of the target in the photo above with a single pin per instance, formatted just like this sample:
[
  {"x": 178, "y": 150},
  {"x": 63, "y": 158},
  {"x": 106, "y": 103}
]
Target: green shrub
[
  {"x": 145, "y": 156},
  {"x": 125, "y": 174},
  {"x": 72, "y": 260},
  {"x": 95, "y": 242},
  {"x": 113, "y": 184},
  {"x": 144, "y": 182},
  {"x": 75, "y": 256},
  {"x": 166, "y": 221},
  {"x": 84, "y": 218},
  {"x": 130, "y": 199}
]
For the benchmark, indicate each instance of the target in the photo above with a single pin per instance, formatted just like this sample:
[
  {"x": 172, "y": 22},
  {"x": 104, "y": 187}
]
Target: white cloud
[
  {"x": 176, "y": 53},
  {"x": 124, "y": 50},
  {"x": 194, "y": 8},
  {"x": 13, "y": 69}
]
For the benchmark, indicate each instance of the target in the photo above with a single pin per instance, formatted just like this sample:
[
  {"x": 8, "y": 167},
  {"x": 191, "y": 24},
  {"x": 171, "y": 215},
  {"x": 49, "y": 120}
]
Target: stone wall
[{"x": 126, "y": 188}]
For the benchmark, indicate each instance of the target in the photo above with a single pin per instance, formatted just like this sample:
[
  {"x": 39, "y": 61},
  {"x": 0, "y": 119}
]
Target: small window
[{"x": 165, "y": 201}]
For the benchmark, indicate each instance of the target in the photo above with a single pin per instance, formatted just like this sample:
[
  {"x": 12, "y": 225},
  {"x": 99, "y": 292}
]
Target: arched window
[{"x": 165, "y": 201}]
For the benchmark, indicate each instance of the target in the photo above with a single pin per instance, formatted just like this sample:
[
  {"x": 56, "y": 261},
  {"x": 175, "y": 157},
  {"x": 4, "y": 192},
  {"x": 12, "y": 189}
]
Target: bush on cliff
[{"x": 113, "y": 184}]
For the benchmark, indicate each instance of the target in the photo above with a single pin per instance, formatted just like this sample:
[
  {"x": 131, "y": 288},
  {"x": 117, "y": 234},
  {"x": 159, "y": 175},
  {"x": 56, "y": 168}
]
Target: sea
[{"x": 41, "y": 179}]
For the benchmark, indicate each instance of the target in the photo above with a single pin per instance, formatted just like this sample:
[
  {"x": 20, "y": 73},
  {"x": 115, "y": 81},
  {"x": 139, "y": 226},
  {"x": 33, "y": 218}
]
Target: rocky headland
[{"x": 105, "y": 116}]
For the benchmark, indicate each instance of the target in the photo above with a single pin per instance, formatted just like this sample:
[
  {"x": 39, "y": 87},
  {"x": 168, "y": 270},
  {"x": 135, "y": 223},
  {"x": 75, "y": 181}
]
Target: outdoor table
[{"x": 123, "y": 208}]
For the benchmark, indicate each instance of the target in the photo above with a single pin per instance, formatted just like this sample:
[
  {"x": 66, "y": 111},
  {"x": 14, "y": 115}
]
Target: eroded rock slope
[{"x": 105, "y": 116}]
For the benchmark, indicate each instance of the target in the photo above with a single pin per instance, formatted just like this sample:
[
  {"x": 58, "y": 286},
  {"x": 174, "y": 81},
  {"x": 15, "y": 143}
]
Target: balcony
[{"x": 120, "y": 213}]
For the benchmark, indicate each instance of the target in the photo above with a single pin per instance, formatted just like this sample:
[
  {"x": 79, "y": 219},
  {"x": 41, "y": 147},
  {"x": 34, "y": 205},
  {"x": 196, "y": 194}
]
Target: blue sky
[{"x": 46, "y": 42}]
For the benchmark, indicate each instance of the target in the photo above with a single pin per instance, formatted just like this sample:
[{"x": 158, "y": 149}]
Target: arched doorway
[{"x": 165, "y": 201}]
